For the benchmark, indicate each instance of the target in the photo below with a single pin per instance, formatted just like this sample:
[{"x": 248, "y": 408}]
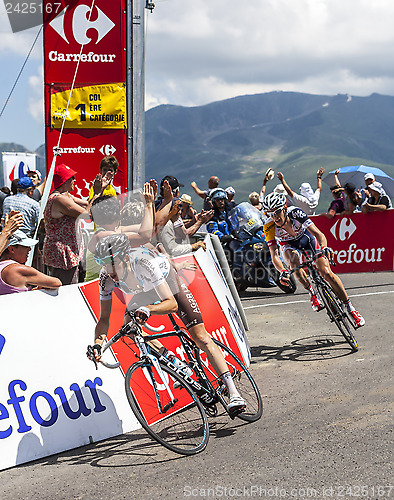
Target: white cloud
[
  {"x": 202, "y": 51},
  {"x": 36, "y": 98}
]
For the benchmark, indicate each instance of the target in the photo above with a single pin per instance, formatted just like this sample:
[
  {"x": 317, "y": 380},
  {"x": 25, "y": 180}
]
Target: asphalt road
[{"x": 326, "y": 430}]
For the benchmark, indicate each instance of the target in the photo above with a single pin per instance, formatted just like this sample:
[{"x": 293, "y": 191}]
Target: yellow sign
[{"x": 94, "y": 106}]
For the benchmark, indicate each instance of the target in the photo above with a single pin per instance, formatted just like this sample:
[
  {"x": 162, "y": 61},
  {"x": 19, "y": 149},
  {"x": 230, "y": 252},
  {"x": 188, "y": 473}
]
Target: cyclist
[
  {"x": 295, "y": 233},
  {"x": 149, "y": 276}
]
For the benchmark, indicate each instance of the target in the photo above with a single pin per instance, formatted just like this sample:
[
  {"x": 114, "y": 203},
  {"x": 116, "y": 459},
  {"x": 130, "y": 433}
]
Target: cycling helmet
[
  {"x": 273, "y": 201},
  {"x": 218, "y": 194},
  {"x": 114, "y": 245}
]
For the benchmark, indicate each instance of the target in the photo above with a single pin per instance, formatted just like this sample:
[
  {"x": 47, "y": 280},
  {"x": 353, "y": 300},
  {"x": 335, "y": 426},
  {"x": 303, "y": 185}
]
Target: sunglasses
[
  {"x": 274, "y": 213},
  {"x": 109, "y": 259}
]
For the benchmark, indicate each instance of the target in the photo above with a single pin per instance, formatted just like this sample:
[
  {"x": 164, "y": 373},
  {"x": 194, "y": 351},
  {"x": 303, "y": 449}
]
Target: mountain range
[{"x": 238, "y": 139}]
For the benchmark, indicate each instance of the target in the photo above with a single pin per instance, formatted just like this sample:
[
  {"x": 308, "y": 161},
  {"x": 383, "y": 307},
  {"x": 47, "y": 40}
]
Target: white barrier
[{"x": 51, "y": 397}]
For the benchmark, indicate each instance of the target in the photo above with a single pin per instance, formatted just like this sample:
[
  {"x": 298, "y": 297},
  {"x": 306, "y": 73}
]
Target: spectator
[
  {"x": 175, "y": 240},
  {"x": 254, "y": 199},
  {"x": 337, "y": 206},
  {"x": 188, "y": 213},
  {"x": 35, "y": 176},
  {"x": 220, "y": 223},
  {"x": 23, "y": 202},
  {"x": 63, "y": 245},
  {"x": 15, "y": 276},
  {"x": 354, "y": 197},
  {"x": 369, "y": 178},
  {"x": 230, "y": 197},
  {"x": 11, "y": 223},
  {"x": 308, "y": 199},
  {"x": 213, "y": 183},
  {"x": 14, "y": 186},
  {"x": 4, "y": 192},
  {"x": 378, "y": 200},
  {"x": 108, "y": 168}
]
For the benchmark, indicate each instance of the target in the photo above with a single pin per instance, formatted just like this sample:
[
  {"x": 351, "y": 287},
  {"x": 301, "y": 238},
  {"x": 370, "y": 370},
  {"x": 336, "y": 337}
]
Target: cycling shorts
[
  {"x": 307, "y": 244},
  {"x": 188, "y": 309}
]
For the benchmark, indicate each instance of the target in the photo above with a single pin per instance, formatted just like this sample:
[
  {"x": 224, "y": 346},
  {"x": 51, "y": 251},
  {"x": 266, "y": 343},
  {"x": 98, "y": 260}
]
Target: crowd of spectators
[{"x": 66, "y": 256}]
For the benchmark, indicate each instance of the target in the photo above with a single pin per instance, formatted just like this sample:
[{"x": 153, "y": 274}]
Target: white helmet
[{"x": 273, "y": 201}]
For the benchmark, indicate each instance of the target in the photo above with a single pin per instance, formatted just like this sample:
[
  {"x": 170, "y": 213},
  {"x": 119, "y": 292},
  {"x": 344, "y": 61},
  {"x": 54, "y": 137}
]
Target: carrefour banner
[
  {"x": 93, "y": 106},
  {"x": 16, "y": 165},
  {"x": 361, "y": 242},
  {"x": 51, "y": 397}
]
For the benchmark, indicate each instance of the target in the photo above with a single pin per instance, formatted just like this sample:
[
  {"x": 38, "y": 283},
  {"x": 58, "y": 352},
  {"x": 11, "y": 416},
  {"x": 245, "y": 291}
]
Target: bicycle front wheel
[
  {"x": 243, "y": 381},
  {"x": 337, "y": 314},
  {"x": 179, "y": 423}
]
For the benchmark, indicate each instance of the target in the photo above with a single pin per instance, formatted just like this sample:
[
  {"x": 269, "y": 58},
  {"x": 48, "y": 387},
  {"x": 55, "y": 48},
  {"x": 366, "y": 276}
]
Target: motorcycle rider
[{"x": 220, "y": 223}]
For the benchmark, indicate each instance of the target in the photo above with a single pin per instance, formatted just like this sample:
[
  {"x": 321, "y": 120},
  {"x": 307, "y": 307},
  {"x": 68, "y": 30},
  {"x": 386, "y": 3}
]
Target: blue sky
[{"x": 202, "y": 51}]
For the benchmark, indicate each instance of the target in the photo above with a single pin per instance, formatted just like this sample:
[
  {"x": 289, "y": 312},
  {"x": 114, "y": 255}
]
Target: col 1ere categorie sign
[
  {"x": 85, "y": 86},
  {"x": 361, "y": 242}
]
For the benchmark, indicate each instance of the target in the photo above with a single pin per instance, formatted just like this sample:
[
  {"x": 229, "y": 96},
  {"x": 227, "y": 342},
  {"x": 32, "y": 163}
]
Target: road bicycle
[
  {"x": 334, "y": 307},
  {"x": 170, "y": 403}
]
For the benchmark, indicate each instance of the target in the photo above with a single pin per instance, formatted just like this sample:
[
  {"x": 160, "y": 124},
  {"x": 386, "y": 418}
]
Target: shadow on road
[{"x": 312, "y": 348}]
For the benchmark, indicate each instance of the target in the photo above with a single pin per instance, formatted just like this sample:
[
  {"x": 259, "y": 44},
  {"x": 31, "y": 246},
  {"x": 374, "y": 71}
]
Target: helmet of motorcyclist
[
  {"x": 218, "y": 194},
  {"x": 109, "y": 247},
  {"x": 274, "y": 201}
]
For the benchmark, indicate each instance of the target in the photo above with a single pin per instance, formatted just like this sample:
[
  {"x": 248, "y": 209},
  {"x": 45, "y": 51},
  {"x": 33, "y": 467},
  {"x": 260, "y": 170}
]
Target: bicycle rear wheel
[
  {"x": 337, "y": 314},
  {"x": 243, "y": 381},
  {"x": 180, "y": 424}
]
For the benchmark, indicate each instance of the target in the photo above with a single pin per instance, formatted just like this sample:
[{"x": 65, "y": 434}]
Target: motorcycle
[{"x": 248, "y": 253}]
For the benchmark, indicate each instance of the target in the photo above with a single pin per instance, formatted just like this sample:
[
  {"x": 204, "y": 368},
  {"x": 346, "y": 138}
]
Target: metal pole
[
  {"x": 129, "y": 91},
  {"x": 137, "y": 171}
]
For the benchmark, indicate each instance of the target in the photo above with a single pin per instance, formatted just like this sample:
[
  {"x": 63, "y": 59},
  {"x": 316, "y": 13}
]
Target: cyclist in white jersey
[{"x": 295, "y": 233}]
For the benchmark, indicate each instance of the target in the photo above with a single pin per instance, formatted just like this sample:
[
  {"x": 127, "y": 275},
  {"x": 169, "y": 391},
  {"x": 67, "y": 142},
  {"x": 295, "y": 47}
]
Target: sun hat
[
  {"x": 270, "y": 174},
  {"x": 280, "y": 189},
  {"x": 230, "y": 190},
  {"x": 377, "y": 186},
  {"x": 62, "y": 174},
  {"x": 21, "y": 238},
  {"x": 185, "y": 198}
]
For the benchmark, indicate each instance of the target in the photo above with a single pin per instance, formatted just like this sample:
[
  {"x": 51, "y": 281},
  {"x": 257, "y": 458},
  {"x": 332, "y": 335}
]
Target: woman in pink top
[
  {"x": 14, "y": 275},
  {"x": 63, "y": 246}
]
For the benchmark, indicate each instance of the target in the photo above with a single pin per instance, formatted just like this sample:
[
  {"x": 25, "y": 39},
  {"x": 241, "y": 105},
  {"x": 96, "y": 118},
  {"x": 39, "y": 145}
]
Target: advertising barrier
[
  {"x": 361, "y": 242},
  {"x": 51, "y": 397}
]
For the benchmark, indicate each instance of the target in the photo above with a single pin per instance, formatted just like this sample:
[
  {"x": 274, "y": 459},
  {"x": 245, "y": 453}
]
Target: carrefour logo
[
  {"x": 343, "y": 229},
  {"x": 81, "y": 24}
]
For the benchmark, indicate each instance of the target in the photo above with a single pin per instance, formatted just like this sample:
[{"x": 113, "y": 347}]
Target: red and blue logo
[{"x": 18, "y": 171}]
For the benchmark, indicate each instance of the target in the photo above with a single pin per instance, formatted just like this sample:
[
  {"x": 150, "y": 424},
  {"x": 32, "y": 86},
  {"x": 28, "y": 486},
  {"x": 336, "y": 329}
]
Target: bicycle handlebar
[
  {"x": 307, "y": 263},
  {"x": 131, "y": 327}
]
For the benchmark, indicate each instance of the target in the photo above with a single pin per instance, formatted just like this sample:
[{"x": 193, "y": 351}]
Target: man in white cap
[
  {"x": 15, "y": 276},
  {"x": 378, "y": 200},
  {"x": 308, "y": 199},
  {"x": 369, "y": 178}
]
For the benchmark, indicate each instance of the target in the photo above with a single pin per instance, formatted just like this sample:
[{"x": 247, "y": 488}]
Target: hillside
[{"x": 238, "y": 139}]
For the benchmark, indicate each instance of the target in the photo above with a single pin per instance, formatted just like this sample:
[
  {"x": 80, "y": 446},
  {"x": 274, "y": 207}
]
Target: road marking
[{"x": 301, "y": 301}]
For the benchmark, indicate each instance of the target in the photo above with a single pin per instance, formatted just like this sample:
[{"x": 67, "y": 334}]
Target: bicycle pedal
[{"x": 234, "y": 413}]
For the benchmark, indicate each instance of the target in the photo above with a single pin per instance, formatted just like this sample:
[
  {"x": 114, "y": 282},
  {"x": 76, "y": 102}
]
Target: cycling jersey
[
  {"x": 299, "y": 223},
  {"x": 150, "y": 269}
]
